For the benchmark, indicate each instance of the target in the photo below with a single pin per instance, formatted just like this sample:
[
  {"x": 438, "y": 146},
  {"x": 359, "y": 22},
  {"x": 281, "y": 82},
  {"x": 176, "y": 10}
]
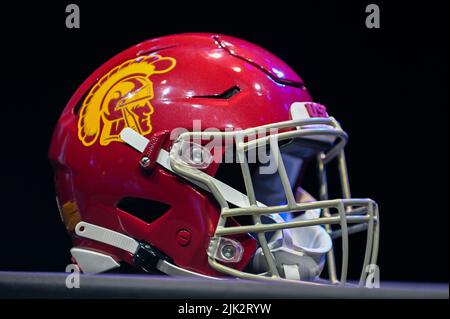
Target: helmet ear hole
[{"x": 145, "y": 209}]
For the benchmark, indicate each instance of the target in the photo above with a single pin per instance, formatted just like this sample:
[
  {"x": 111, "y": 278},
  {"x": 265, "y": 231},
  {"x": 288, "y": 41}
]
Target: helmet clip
[{"x": 151, "y": 151}]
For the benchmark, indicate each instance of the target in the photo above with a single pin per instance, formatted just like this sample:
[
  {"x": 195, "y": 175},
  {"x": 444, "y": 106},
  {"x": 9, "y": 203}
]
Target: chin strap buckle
[{"x": 147, "y": 257}]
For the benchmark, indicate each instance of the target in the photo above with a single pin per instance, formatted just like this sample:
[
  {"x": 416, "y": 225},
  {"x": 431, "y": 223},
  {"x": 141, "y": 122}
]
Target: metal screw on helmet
[
  {"x": 228, "y": 251},
  {"x": 145, "y": 161},
  {"x": 197, "y": 155}
]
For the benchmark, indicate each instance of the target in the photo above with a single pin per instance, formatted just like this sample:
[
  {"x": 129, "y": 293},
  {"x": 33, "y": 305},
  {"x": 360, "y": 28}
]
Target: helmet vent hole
[
  {"x": 224, "y": 95},
  {"x": 145, "y": 209}
]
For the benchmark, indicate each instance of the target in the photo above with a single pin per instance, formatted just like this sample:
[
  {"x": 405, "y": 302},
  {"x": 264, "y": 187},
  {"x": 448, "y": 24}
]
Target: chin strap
[{"x": 145, "y": 256}]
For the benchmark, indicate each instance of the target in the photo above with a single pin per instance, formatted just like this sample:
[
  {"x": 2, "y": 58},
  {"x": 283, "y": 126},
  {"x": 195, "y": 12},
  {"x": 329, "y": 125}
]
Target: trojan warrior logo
[{"x": 121, "y": 99}]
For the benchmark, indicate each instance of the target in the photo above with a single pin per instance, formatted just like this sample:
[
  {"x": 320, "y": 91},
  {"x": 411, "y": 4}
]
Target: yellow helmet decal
[{"x": 121, "y": 98}]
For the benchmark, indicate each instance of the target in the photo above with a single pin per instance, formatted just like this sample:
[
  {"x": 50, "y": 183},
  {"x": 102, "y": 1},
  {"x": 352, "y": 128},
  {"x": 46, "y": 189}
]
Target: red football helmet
[{"x": 144, "y": 156}]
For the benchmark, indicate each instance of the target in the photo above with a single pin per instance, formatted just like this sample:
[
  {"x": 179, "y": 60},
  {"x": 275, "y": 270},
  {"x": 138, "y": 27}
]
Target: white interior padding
[{"x": 301, "y": 248}]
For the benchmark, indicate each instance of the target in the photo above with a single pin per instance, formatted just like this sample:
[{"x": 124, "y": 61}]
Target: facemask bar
[{"x": 358, "y": 212}]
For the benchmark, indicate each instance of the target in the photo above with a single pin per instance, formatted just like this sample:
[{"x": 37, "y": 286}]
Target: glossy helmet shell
[{"x": 222, "y": 81}]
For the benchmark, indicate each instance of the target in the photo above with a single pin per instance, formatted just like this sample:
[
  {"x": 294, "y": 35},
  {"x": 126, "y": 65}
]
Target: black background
[{"x": 388, "y": 87}]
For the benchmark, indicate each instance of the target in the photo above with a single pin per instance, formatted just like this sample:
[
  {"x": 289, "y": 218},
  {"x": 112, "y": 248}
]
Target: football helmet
[{"x": 187, "y": 155}]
